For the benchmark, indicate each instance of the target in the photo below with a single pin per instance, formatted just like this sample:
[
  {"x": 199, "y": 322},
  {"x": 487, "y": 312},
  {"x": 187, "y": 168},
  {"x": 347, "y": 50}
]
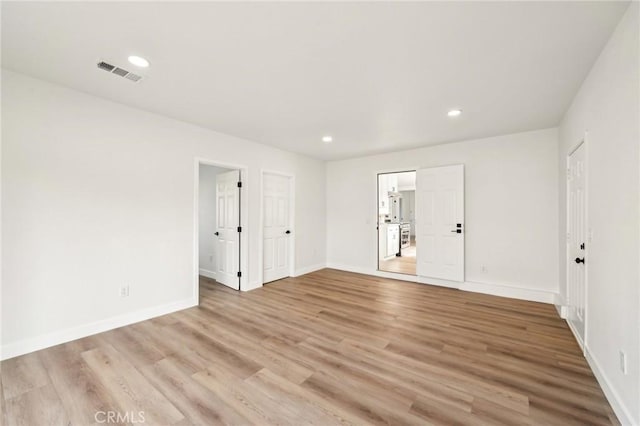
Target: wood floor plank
[
  {"x": 127, "y": 385},
  {"x": 3, "y": 406},
  {"x": 326, "y": 348},
  {"x": 351, "y": 398},
  {"x": 38, "y": 406},
  {"x": 22, "y": 374},
  {"x": 254, "y": 404},
  {"x": 439, "y": 414},
  {"x": 198, "y": 404},
  {"x": 80, "y": 392},
  {"x": 292, "y": 371},
  {"x": 308, "y": 405}
]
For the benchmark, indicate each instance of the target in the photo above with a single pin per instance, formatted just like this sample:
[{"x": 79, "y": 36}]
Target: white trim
[
  {"x": 375, "y": 273},
  {"x": 244, "y": 221},
  {"x": 252, "y": 286},
  {"x": 22, "y": 347},
  {"x": 559, "y": 302},
  {"x": 501, "y": 290},
  {"x": 575, "y": 333},
  {"x": 561, "y": 306},
  {"x": 439, "y": 282},
  {"x": 562, "y": 310},
  {"x": 292, "y": 221},
  {"x": 207, "y": 273},
  {"x": 621, "y": 411},
  {"x": 511, "y": 291},
  {"x": 308, "y": 269}
]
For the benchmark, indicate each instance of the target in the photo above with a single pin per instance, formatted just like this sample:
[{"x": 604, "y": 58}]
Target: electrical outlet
[
  {"x": 623, "y": 362},
  {"x": 484, "y": 269},
  {"x": 124, "y": 291}
]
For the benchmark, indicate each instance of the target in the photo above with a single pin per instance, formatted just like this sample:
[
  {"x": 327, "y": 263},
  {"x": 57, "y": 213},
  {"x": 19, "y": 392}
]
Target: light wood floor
[
  {"x": 327, "y": 348},
  {"x": 406, "y": 264}
]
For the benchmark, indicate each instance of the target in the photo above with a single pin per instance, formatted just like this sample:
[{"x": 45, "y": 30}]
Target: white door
[
  {"x": 440, "y": 223},
  {"x": 576, "y": 240},
  {"x": 393, "y": 240},
  {"x": 277, "y": 227},
  {"x": 227, "y": 222}
]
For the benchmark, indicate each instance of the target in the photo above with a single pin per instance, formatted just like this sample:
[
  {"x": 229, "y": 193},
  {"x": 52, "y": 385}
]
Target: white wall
[
  {"x": 607, "y": 108},
  {"x": 408, "y": 209},
  {"x": 511, "y": 202},
  {"x": 96, "y": 194},
  {"x": 207, "y": 219}
]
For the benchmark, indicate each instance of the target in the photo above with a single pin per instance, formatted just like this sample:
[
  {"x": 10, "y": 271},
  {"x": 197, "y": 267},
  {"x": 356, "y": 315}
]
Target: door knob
[
  {"x": 457, "y": 231},
  {"x": 287, "y": 232},
  {"x": 216, "y": 234},
  {"x": 578, "y": 260}
]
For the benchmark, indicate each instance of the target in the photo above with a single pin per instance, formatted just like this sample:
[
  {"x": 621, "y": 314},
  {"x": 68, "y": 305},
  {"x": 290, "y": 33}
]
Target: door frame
[
  {"x": 582, "y": 342},
  {"x": 292, "y": 210},
  {"x": 377, "y": 173},
  {"x": 244, "y": 220}
]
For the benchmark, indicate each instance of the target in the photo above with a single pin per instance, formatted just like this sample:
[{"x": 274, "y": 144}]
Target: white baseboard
[
  {"x": 365, "y": 271},
  {"x": 503, "y": 290},
  {"x": 207, "y": 273},
  {"x": 439, "y": 283},
  {"x": 26, "y": 346},
  {"x": 621, "y": 411},
  {"x": 577, "y": 336},
  {"x": 251, "y": 286},
  {"x": 561, "y": 307},
  {"x": 511, "y": 291},
  {"x": 563, "y": 311},
  {"x": 308, "y": 269}
]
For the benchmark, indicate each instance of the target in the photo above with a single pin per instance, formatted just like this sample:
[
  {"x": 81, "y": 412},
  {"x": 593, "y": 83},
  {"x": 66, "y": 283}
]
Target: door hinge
[
  {"x": 239, "y": 184},
  {"x": 239, "y": 228},
  {"x": 239, "y": 274}
]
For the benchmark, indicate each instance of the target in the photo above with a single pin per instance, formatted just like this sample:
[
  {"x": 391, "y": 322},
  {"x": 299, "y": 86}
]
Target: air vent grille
[
  {"x": 120, "y": 72},
  {"x": 133, "y": 77},
  {"x": 105, "y": 66},
  {"x": 112, "y": 69}
]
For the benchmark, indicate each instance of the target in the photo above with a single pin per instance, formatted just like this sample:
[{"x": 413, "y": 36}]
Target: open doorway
[
  {"x": 219, "y": 254},
  {"x": 397, "y": 222}
]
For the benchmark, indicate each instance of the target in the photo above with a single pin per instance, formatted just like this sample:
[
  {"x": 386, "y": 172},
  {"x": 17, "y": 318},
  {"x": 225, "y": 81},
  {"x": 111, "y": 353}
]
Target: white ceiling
[{"x": 376, "y": 76}]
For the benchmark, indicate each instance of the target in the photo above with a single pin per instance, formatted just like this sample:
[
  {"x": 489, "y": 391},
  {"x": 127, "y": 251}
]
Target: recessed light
[
  {"x": 139, "y": 61},
  {"x": 454, "y": 112},
  {"x": 327, "y": 139}
]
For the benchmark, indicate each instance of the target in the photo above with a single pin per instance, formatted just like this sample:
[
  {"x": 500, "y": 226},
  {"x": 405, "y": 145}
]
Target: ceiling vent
[{"x": 112, "y": 69}]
